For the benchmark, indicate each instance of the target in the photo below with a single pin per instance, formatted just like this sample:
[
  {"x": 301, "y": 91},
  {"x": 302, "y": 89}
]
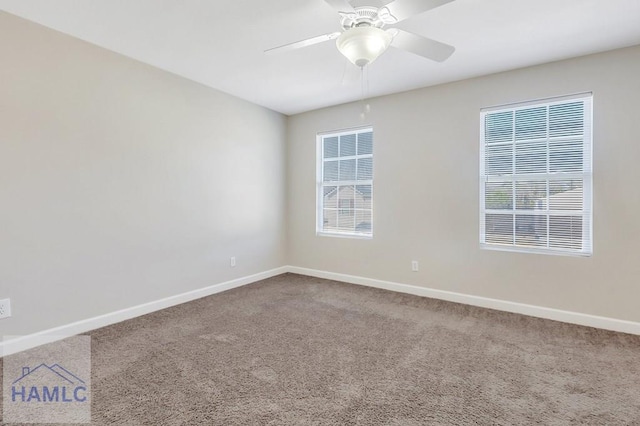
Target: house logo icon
[{"x": 50, "y": 384}]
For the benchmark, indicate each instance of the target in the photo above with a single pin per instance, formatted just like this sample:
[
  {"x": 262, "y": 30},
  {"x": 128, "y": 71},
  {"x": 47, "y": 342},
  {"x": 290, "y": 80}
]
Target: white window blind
[
  {"x": 536, "y": 176},
  {"x": 345, "y": 183}
]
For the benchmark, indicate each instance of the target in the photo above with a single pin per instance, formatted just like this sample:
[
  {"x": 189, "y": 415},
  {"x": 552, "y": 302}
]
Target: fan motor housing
[{"x": 363, "y": 16}]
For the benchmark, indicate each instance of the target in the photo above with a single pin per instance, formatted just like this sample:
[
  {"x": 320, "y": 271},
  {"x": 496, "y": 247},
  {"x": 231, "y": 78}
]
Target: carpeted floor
[{"x": 294, "y": 350}]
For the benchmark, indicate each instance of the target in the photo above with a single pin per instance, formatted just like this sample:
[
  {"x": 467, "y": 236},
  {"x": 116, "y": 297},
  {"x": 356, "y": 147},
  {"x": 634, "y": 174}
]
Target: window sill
[
  {"x": 344, "y": 235},
  {"x": 533, "y": 250}
]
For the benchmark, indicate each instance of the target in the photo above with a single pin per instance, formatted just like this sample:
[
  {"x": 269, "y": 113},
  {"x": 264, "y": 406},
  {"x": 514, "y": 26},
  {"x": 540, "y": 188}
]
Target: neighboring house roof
[
  {"x": 566, "y": 200},
  {"x": 363, "y": 190}
]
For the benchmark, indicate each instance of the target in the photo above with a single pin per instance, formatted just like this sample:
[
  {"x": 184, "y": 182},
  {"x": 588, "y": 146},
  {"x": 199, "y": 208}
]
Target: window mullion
[{"x": 514, "y": 200}]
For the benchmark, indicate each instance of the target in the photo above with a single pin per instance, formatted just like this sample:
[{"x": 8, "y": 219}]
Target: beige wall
[
  {"x": 426, "y": 191},
  {"x": 122, "y": 184}
]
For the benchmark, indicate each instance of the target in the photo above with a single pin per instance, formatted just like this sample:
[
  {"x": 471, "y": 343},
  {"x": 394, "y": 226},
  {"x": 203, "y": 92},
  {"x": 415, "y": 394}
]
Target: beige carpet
[{"x": 295, "y": 350}]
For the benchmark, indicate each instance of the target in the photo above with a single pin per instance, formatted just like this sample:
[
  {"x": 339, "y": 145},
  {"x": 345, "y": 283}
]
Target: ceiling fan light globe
[{"x": 362, "y": 45}]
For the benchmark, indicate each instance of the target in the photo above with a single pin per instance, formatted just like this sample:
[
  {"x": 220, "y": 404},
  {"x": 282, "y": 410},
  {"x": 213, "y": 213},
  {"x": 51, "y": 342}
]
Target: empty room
[{"x": 320, "y": 212}]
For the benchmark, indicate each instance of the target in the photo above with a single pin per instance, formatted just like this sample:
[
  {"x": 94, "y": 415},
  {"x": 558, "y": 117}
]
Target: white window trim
[
  {"x": 586, "y": 176},
  {"x": 320, "y": 181}
]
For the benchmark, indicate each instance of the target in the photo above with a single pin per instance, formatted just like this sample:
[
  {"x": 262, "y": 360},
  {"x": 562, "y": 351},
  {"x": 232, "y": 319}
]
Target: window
[
  {"x": 345, "y": 183},
  {"x": 535, "y": 176}
]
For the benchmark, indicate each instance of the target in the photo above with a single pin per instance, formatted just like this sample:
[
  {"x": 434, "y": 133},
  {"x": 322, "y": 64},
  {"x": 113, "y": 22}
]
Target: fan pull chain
[{"x": 364, "y": 86}]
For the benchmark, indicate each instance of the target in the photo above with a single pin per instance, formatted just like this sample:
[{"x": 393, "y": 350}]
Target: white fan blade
[
  {"x": 304, "y": 43},
  {"x": 421, "y": 46},
  {"x": 399, "y": 10},
  {"x": 341, "y": 5}
]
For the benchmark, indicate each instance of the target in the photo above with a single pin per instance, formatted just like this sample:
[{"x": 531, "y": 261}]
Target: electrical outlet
[
  {"x": 232, "y": 262},
  {"x": 5, "y": 308},
  {"x": 414, "y": 265}
]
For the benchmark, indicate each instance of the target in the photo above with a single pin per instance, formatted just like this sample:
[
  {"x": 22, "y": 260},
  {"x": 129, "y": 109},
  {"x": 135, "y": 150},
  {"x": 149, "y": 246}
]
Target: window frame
[
  {"x": 585, "y": 177},
  {"x": 320, "y": 184}
]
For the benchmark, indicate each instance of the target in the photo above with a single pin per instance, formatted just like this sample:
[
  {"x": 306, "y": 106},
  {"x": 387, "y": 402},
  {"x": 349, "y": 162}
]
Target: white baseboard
[
  {"x": 22, "y": 343},
  {"x": 483, "y": 302}
]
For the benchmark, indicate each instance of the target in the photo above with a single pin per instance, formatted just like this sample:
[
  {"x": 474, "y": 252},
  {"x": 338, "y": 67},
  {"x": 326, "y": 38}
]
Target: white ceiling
[{"x": 220, "y": 43}]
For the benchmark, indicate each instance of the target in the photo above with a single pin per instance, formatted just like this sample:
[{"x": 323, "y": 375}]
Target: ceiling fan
[{"x": 364, "y": 36}]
